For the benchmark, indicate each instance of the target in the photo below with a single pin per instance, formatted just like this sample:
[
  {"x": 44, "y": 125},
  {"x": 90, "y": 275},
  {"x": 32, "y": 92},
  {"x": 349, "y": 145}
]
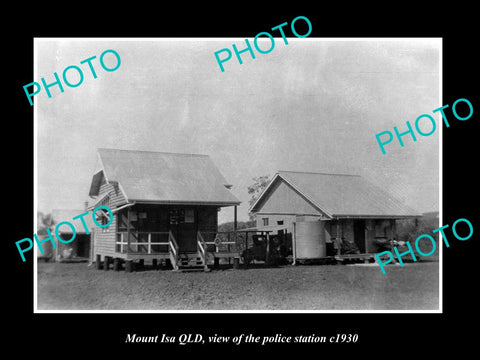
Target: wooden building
[
  {"x": 165, "y": 208},
  {"x": 347, "y": 213},
  {"x": 79, "y": 249}
]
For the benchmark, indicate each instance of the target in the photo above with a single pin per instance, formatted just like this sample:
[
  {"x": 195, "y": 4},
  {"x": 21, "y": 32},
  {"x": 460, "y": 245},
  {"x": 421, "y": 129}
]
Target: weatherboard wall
[
  {"x": 283, "y": 199},
  {"x": 115, "y": 195},
  {"x": 104, "y": 238}
]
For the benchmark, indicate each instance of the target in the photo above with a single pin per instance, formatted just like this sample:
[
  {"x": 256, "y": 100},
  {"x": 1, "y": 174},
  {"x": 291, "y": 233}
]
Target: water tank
[{"x": 310, "y": 240}]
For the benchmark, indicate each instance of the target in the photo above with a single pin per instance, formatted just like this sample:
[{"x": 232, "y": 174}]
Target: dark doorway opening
[
  {"x": 359, "y": 234},
  {"x": 83, "y": 246}
]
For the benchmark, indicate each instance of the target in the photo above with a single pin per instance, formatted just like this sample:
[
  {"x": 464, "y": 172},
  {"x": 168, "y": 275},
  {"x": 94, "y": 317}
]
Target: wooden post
[
  {"x": 339, "y": 242},
  {"x": 98, "y": 261},
  {"x": 235, "y": 225},
  {"x": 294, "y": 244},
  {"x": 128, "y": 230},
  {"x": 216, "y": 262},
  {"x": 154, "y": 264},
  {"x": 267, "y": 250},
  {"x": 128, "y": 265},
  {"x": 92, "y": 244},
  {"x": 228, "y": 246},
  {"x": 235, "y": 218},
  {"x": 106, "y": 262},
  {"x": 366, "y": 233},
  {"x": 116, "y": 264},
  {"x": 394, "y": 229}
]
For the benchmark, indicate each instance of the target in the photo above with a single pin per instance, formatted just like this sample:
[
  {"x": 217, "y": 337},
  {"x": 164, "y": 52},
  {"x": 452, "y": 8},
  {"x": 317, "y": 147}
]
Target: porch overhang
[
  {"x": 374, "y": 216},
  {"x": 185, "y": 203}
]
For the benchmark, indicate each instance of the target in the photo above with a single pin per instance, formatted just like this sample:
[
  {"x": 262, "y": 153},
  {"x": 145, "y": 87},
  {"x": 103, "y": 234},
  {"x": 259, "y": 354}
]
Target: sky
[{"x": 313, "y": 105}]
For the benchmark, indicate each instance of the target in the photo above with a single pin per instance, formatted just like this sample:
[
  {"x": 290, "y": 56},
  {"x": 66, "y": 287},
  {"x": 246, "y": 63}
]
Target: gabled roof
[
  {"x": 60, "y": 215},
  {"x": 340, "y": 195},
  {"x": 146, "y": 176}
]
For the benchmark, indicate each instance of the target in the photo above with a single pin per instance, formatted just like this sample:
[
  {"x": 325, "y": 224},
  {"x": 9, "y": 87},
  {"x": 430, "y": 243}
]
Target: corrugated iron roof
[
  {"x": 344, "y": 195},
  {"x": 60, "y": 215},
  {"x": 147, "y": 176}
]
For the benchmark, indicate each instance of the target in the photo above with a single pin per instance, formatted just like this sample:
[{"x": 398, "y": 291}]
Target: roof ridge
[
  {"x": 316, "y": 173},
  {"x": 342, "y": 198},
  {"x": 155, "y": 152}
]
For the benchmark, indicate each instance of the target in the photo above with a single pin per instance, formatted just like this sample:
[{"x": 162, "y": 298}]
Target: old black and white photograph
[{"x": 213, "y": 175}]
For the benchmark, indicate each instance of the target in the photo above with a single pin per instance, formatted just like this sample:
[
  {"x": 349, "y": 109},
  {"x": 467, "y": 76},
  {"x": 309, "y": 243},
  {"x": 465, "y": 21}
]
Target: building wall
[
  {"x": 374, "y": 228},
  {"x": 274, "y": 219},
  {"x": 155, "y": 218},
  {"x": 283, "y": 199},
  {"x": 104, "y": 239},
  {"x": 283, "y": 203},
  {"x": 115, "y": 194},
  {"x": 207, "y": 218}
]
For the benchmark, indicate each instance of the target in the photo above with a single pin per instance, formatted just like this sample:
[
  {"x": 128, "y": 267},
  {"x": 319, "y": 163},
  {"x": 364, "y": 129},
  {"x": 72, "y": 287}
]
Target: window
[
  {"x": 265, "y": 221},
  {"x": 103, "y": 218},
  {"x": 280, "y": 222},
  {"x": 101, "y": 215},
  {"x": 189, "y": 216},
  {"x": 173, "y": 217}
]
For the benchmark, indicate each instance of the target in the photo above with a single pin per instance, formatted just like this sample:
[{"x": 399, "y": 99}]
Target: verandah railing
[
  {"x": 158, "y": 242},
  {"x": 148, "y": 242},
  {"x": 173, "y": 250},
  {"x": 219, "y": 241},
  {"x": 163, "y": 243},
  {"x": 143, "y": 242},
  {"x": 201, "y": 249}
]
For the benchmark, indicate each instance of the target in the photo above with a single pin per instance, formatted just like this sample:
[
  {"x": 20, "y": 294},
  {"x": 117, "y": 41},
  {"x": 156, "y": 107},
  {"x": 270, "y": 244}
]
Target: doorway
[
  {"x": 184, "y": 229},
  {"x": 83, "y": 246},
  {"x": 359, "y": 234}
]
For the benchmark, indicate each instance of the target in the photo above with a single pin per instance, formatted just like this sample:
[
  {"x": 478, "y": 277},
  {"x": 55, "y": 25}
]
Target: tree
[
  {"x": 254, "y": 190},
  {"x": 228, "y": 226},
  {"x": 44, "y": 222}
]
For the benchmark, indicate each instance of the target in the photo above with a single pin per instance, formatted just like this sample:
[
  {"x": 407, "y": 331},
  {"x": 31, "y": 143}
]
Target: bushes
[{"x": 410, "y": 229}]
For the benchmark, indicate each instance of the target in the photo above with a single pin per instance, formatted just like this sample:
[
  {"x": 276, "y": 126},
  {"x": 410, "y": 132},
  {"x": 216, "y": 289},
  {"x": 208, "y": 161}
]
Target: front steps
[{"x": 189, "y": 263}]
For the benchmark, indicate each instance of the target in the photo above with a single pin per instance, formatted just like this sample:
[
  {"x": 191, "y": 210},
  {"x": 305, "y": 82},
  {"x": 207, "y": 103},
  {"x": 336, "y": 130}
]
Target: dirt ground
[{"x": 71, "y": 286}]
